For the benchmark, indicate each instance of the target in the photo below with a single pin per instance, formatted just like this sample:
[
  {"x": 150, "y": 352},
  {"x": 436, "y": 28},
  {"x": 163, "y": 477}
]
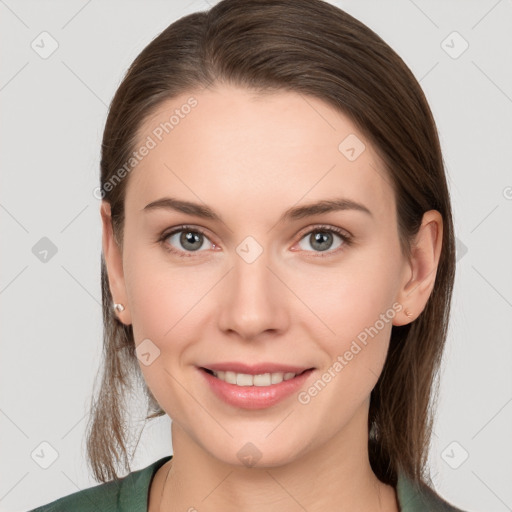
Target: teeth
[{"x": 244, "y": 379}]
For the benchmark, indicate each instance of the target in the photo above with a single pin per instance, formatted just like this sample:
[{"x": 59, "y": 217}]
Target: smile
[
  {"x": 246, "y": 391},
  {"x": 245, "y": 379}
]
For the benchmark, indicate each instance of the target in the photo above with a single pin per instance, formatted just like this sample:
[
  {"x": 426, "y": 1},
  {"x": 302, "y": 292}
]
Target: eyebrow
[{"x": 294, "y": 213}]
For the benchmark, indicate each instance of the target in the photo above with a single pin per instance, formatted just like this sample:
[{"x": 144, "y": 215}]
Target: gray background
[{"x": 53, "y": 113}]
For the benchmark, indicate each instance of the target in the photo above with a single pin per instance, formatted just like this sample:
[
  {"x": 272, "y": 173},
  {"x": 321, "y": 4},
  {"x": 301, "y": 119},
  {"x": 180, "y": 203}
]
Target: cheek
[
  {"x": 351, "y": 328},
  {"x": 348, "y": 298},
  {"x": 162, "y": 300},
  {"x": 160, "y": 293},
  {"x": 351, "y": 314}
]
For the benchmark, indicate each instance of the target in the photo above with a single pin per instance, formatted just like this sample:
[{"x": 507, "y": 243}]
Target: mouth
[
  {"x": 258, "y": 380},
  {"x": 252, "y": 391}
]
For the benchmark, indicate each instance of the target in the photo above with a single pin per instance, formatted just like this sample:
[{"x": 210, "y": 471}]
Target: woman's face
[{"x": 262, "y": 284}]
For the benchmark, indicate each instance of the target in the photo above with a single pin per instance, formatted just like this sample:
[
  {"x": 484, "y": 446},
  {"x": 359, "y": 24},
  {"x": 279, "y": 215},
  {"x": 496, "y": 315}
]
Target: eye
[
  {"x": 323, "y": 238},
  {"x": 185, "y": 239}
]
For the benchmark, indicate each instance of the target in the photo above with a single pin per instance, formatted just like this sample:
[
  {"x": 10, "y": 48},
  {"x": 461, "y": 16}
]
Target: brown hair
[{"x": 313, "y": 48}]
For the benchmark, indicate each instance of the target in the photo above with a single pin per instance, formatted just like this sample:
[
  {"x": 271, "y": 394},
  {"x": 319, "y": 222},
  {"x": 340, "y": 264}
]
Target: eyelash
[{"x": 346, "y": 238}]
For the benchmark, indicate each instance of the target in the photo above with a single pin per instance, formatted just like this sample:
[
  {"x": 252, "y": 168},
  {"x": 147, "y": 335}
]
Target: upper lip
[{"x": 256, "y": 369}]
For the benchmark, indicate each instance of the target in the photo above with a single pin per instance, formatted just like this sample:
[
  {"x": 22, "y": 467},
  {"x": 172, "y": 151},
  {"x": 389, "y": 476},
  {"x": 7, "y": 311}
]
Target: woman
[{"x": 278, "y": 261}]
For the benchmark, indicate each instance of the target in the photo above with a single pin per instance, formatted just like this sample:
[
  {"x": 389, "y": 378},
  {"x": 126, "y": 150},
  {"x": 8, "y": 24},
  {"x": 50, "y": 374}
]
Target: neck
[{"x": 334, "y": 476}]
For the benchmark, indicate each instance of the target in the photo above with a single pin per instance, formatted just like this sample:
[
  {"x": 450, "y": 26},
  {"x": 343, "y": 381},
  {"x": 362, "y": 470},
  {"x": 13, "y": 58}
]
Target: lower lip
[{"x": 255, "y": 397}]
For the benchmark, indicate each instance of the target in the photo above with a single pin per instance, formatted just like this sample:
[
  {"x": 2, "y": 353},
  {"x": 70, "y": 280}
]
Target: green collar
[{"x": 420, "y": 498}]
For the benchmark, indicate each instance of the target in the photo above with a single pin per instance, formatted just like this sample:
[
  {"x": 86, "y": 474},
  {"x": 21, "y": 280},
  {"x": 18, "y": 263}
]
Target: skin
[{"x": 250, "y": 158}]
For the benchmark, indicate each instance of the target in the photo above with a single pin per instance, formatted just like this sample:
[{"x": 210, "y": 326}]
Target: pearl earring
[{"x": 118, "y": 307}]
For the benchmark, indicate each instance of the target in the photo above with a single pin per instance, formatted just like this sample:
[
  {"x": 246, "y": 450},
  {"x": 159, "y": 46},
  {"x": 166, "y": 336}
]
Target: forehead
[{"x": 229, "y": 144}]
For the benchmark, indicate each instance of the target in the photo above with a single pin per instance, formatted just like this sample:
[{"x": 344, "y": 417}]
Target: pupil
[
  {"x": 190, "y": 237},
  {"x": 321, "y": 237}
]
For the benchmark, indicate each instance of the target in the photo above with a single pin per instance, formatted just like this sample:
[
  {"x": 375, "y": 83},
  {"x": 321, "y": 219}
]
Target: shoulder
[
  {"x": 102, "y": 497},
  {"x": 129, "y": 493},
  {"x": 414, "y": 497}
]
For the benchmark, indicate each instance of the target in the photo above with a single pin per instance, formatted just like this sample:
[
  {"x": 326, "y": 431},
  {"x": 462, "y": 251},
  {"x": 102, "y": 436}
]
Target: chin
[{"x": 254, "y": 455}]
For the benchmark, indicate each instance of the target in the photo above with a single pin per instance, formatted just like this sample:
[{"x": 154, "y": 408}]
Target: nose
[{"x": 253, "y": 301}]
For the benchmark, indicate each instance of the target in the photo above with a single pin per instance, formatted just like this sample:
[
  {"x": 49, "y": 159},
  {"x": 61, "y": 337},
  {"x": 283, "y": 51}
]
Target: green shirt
[{"x": 130, "y": 494}]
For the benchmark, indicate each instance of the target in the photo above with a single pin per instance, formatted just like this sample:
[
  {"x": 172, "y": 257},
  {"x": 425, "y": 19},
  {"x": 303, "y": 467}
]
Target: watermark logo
[
  {"x": 147, "y": 352},
  {"x": 351, "y": 147},
  {"x": 461, "y": 249},
  {"x": 44, "y": 455},
  {"x": 44, "y": 250},
  {"x": 44, "y": 45},
  {"x": 454, "y": 45},
  {"x": 454, "y": 455},
  {"x": 249, "y": 455},
  {"x": 249, "y": 249}
]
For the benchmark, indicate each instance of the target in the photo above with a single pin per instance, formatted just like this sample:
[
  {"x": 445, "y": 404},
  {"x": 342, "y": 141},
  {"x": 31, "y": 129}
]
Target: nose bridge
[{"x": 252, "y": 302}]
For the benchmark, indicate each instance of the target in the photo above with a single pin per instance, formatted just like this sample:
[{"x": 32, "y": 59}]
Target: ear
[
  {"x": 421, "y": 270},
  {"x": 114, "y": 262}
]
